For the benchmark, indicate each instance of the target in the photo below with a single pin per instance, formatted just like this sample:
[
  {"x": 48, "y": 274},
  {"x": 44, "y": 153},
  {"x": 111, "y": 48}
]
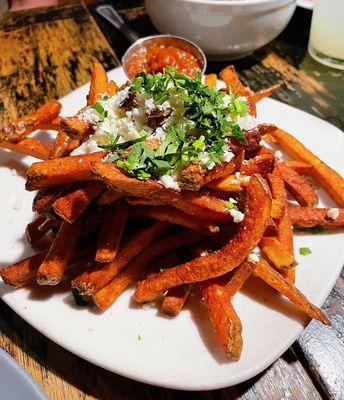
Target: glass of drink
[{"x": 326, "y": 42}]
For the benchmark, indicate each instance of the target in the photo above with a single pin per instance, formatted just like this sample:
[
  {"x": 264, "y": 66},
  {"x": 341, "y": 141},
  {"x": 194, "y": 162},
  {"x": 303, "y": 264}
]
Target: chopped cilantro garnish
[
  {"x": 230, "y": 206},
  {"x": 114, "y": 145},
  {"x": 304, "y": 251},
  {"x": 186, "y": 288},
  {"x": 100, "y": 110},
  {"x": 139, "y": 338}
]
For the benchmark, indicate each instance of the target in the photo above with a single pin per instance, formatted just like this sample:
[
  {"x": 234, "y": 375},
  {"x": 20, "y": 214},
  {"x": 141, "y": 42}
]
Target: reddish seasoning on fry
[{"x": 156, "y": 58}]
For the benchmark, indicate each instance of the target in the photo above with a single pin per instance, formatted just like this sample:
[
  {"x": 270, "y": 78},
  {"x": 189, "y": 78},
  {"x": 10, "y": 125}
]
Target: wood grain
[{"x": 47, "y": 53}]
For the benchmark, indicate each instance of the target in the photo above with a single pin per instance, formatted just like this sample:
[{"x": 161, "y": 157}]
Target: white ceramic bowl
[{"x": 224, "y": 29}]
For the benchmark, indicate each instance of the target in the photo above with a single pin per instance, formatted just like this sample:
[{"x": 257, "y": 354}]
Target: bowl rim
[{"x": 237, "y": 2}]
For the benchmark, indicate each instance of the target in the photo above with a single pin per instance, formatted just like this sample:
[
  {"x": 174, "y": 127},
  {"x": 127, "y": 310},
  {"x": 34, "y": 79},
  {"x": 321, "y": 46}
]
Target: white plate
[
  {"x": 309, "y": 4},
  {"x": 180, "y": 353}
]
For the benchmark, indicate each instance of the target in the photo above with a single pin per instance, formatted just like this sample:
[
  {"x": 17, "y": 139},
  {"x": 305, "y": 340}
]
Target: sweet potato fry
[
  {"x": 25, "y": 271},
  {"x": 76, "y": 128},
  {"x": 264, "y": 271},
  {"x": 74, "y": 201},
  {"x": 257, "y": 212},
  {"x": 209, "y": 208},
  {"x": 30, "y": 147},
  {"x": 310, "y": 217},
  {"x": 100, "y": 275},
  {"x": 61, "y": 171},
  {"x": 238, "y": 278},
  {"x": 194, "y": 176},
  {"x": 51, "y": 126},
  {"x": 175, "y": 299},
  {"x": 284, "y": 227},
  {"x": 111, "y": 232},
  {"x": 234, "y": 85},
  {"x": 60, "y": 145},
  {"x": 22, "y": 127},
  {"x": 325, "y": 175},
  {"x": 104, "y": 297},
  {"x": 277, "y": 209},
  {"x": 302, "y": 168},
  {"x": 56, "y": 261},
  {"x": 258, "y": 96},
  {"x": 298, "y": 187},
  {"x": 112, "y": 88},
  {"x": 261, "y": 164},
  {"x": 108, "y": 196},
  {"x": 171, "y": 215},
  {"x": 279, "y": 256},
  {"x": 99, "y": 83},
  {"x": 36, "y": 229},
  {"x": 45, "y": 198},
  {"x": 210, "y": 80},
  {"x": 225, "y": 321}
]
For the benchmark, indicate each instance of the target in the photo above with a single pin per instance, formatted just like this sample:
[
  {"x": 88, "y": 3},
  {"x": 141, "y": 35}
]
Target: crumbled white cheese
[
  {"x": 17, "y": 203},
  {"x": 253, "y": 258},
  {"x": 247, "y": 122},
  {"x": 169, "y": 182},
  {"x": 204, "y": 253},
  {"x": 245, "y": 179},
  {"x": 90, "y": 146},
  {"x": 237, "y": 215},
  {"x": 238, "y": 175},
  {"x": 89, "y": 115},
  {"x": 233, "y": 201},
  {"x": 333, "y": 213},
  {"x": 227, "y": 156},
  {"x": 159, "y": 134},
  {"x": 149, "y": 104},
  {"x": 278, "y": 155},
  {"x": 211, "y": 165}
]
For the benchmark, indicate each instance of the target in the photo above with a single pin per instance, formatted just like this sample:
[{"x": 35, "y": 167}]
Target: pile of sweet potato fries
[{"x": 104, "y": 230}]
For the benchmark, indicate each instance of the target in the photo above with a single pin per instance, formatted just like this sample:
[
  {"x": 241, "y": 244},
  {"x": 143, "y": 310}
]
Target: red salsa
[{"x": 156, "y": 58}]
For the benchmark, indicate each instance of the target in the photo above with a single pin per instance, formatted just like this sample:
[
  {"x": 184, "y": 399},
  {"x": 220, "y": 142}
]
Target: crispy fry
[
  {"x": 45, "y": 198},
  {"x": 297, "y": 186},
  {"x": 111, "y": 232},
  {"x": 263, "y": 270},
  {"x": 225, "y": 321},
  {"x": 238, "y": 278},
  {"x": 22, "y": 127},
  {"x": 25, "y": 271},
  {"x": 277, "y": 209},
  {"x": 285, "y": 232},
  {"x": 51, "y": 270},
  {"x": 209, "y": 208},
  {"x": 100, "y": 275},
  {"x": 310, "y": 217},
  {"x": 325, "y": 175},
  {"x": 210, "y": 80},
  {"x": 279, "y": 256},
  {"x": 302, "y": 168},
  {"x": 257, "y": 212},
  {"x": 108, "y": 196},
  {"x": 258, "y": 96},
  {"x": 234, "y": 85},
  {"x": 60, "y": 145},
  {"x": 261, "y": 164},
  {"x": 171, "y": 215},
  {"x": 104, "y": 297},
  {"x": 194, "y": 176},
  {"x": 72, "y": 204},
  {"x": 175, "y": 299},
  {"x": 36, "y": 229},
  {"x": 53, "y": 125},
  {"x": 30, "y": 147},
  {"x": 112, "y": 88},
  {"x": 76, "y": 128},
  {"x": 99, "y": 83},
  {"x": 61, "y": 171}
]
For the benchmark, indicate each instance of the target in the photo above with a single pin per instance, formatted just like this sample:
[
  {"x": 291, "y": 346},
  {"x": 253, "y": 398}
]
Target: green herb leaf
[
  {"x": 304, "y": 251},
  {"x": 139, "y": 337},
  {"x": 115, "y": 146},
  {"x": 314, "y": 230},
  {"x": 230, "y": 206}
]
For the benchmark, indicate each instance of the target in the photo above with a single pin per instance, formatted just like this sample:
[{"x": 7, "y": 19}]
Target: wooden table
[{"x": 47, "y": 53}]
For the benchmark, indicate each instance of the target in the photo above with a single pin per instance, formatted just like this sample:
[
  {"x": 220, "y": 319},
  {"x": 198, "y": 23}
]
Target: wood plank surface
[{"x": 47, "y": 53}]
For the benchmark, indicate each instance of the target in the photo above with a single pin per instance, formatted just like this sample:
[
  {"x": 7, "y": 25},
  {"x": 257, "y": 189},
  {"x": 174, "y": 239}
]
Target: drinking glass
[{"x": 326, "y": 42}]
